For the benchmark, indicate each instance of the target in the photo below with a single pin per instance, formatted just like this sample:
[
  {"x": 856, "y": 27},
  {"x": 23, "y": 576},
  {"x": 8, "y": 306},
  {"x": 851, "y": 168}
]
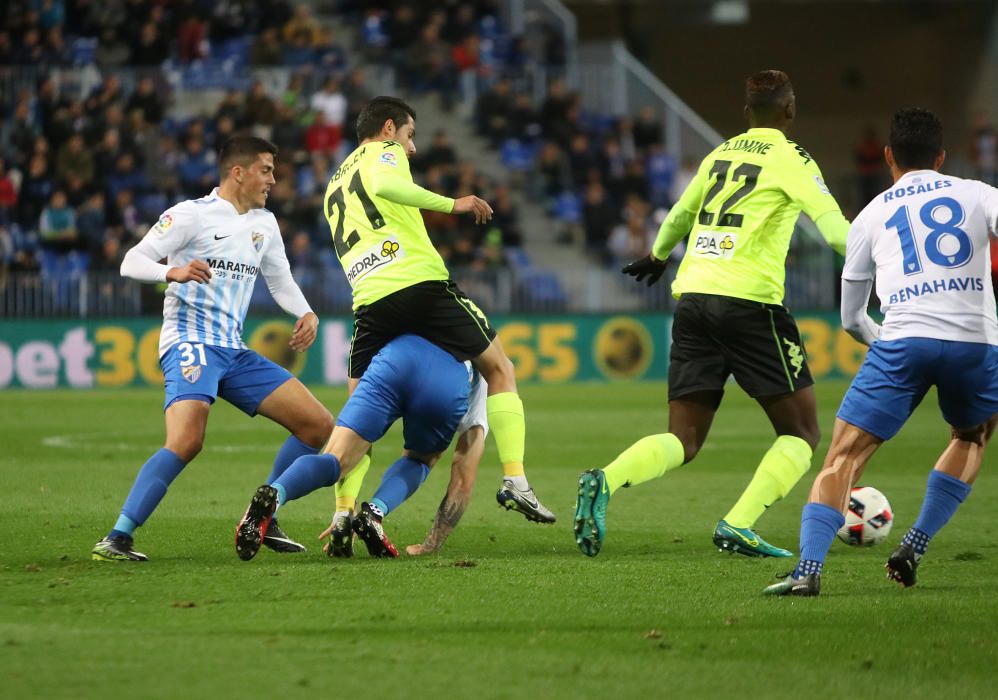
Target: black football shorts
[
  {"x": 437, "y": 310},
  {"x": 714, "y": 337}
]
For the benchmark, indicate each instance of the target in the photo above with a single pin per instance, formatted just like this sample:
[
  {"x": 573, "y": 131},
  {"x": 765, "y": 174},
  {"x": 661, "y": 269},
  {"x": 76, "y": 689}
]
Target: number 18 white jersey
[{"x": 926, "y": 239}]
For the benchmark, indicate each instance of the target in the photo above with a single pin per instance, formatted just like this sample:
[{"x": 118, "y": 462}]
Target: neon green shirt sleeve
[
  {"x": 681, "y": 218},
  {"x": 392, "y": 180},
  {"x": 835, "y": 229}
]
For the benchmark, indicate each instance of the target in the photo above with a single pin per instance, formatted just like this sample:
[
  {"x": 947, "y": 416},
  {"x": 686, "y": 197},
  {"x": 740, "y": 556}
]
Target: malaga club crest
[
  {"x": 191, "y": 373},
  {"x": 257, "y": 240}
]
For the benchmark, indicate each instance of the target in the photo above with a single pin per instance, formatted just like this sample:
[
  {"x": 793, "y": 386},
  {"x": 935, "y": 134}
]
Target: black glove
[{"x": 645, "y": 266}]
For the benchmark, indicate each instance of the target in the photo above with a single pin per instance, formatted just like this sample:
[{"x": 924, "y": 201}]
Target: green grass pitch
[{"x": 508, "y": 609}]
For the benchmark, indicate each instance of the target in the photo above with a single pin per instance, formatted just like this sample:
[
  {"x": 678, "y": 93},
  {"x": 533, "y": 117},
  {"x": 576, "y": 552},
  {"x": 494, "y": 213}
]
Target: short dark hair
[
  {"x": 378, "y": 111},
  {"x": 242, "y": 150},
  {"x": 916, "y": 138},
  {"x": 768, "y": 91}
]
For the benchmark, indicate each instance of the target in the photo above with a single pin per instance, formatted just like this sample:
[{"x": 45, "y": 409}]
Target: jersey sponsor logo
[
  {"x": 375, "y": 258},
  {"x": 388, "y": 158},
  {"x": 918, "y": 188},
  {"x": 257, "y": 240},
  {"x": 164, "y": 223},
  {"x": 822, "y": 187},
  {"x": 191, "y": 373},
  {"x": 715, "y": 244},
  {"x": 230, "y": 266},
  {"x": 955, "y": 284}
]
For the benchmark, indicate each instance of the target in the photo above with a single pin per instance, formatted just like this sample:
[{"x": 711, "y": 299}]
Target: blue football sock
[
  {"x": 943, "y": 495},
  {"x": 818, "y": 525},
  {"x": 399, "y": 482},
  {"x": 124, "y": 527},
  {"x": 292, "y": 449},
  {"x": 148, "y": 490},
  {"x": 307, "y": 474}
]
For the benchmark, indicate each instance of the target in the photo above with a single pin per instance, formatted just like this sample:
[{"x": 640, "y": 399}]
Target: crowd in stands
[{"x": 84, "y": 173}]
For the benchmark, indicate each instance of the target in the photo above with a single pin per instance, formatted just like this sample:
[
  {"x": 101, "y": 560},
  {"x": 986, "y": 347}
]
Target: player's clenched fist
[
  {"x": 473, "y": 205},
  {"x": 194, "y": 271}
]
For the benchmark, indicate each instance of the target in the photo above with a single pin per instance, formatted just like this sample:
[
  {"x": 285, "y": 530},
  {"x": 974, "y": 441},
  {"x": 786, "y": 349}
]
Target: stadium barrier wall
[{"x": 545, "y": 348}]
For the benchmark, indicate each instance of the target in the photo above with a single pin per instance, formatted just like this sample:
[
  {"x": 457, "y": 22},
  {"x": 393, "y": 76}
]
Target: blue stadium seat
[
  {"x": 517, "y": 258},
  {"x": 83, "y": 51},
  {"x": 541, "y": 290}
]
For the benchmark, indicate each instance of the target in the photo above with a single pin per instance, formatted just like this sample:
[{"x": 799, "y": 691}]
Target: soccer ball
[{"x": 869, "y": 519}]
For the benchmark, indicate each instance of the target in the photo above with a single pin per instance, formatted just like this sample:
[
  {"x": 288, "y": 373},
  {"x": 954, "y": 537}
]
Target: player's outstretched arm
[{"x": 464, "y": 469}]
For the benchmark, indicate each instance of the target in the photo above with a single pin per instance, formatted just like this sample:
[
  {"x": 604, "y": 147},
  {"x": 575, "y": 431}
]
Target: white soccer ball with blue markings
[{"x": 869, "y": 518}]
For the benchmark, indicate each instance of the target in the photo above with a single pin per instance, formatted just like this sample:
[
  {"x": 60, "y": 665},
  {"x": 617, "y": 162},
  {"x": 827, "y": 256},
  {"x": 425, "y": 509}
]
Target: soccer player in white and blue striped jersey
[
  {"x": 215, "y": 247},
  {"x": 926, "y": 241}
]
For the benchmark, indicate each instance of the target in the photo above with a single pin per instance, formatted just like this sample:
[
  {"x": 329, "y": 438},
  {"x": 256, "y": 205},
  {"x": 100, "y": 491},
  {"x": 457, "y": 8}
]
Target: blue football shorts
[
  {"x": 897, "y": 374},
  {"x": 202, "y": 372},
  {"x": 429, "y": 392}
]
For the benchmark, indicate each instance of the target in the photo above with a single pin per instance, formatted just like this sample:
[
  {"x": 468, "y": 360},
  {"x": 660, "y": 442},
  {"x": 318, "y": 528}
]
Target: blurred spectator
[
  {"x": 108, "y": 258},
  {"x": 111, "y": 51},
  {"x": 126, "y": 176},
  {"x": 57, "y": 224},
  {"x": 465, "y": 55},
  {"x": 259, "y": 109},
  {"x": 149, "y": 48},
  {"x": 147, "y": 99},
  {"x": 870, "y": 166},
  {"x": 8, "y": 195},
  {"x": 36, "y": 189},
  {"x": 633, "y": 238},
  {"x": 19, "y": 134},
  {"x": 440, "y": 153},
  {"x": 985, "y": 151},
  {"x": 51, "y": 13},
  {"x": 287, "y": 134},
  {"x": 358, "y": 95},
  {"x": 298, "y": 50},
  {"x": 684, "y": 177},
  {"x": 303, "y": 24},
  {"x": 329, "y": 56},
  {"x": 306, "y": 266},
  {"x": 661, "y": 168},
  {"x": 91, "y": 222},
  {"x": 231, "y": 106},
  {"x": 505, "y": 220},
  {"x": 429, "y": 66},
  {"x": 321, "y": 137},
  {"x": 331, "y": 102},
  {"x": 162, "y": 170},
  {"x": 552, "y": 172},
  {"x": 56, "y": 51},
  {"x": 192, "y": 39},
  {"x": 647, "y": 129},
  {"x": 75, "y": 158},
  {"x": 196, "y": 168},
  {"x": 581, "y": 160},
  {"x": 123, "y": 216},
  {"x": 492, "y": 111},
  {"x": 598, "y": 219},
  {"x": 267, "y": 49}
]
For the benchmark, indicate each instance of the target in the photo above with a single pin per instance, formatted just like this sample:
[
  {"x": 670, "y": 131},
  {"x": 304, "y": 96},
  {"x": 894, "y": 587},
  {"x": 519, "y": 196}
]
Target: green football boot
[
  {"x": 742, "y": 540},
  {"x": 590, "y": 512}
]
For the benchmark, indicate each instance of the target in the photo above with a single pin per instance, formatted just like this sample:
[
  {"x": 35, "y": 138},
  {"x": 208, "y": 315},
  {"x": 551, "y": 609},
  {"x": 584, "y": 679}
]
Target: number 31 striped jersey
[{"x": 926, "y": 239}]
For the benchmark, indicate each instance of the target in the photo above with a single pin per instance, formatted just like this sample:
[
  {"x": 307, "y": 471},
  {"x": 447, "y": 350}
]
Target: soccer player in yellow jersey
[
  {"x": 739, "y": 213},
  {"x": 401, "y": 285}
]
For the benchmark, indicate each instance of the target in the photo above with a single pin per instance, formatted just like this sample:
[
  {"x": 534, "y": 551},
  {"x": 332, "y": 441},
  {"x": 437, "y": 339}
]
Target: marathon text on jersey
[{"x": 230, "y": 266}]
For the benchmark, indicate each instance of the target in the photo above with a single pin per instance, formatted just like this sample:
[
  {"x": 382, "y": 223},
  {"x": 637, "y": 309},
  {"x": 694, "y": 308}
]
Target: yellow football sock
[
  {"x": 780, "y": 469},
  {"x": 505, "y": 413},
  {"x": 648, "y": 458},
  {"x": 348, "y": 488}
]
